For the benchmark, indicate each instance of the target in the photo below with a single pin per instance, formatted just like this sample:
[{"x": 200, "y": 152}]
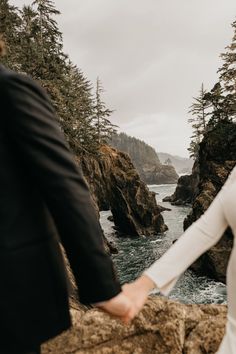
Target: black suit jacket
[{"x": 43, "y": 196}]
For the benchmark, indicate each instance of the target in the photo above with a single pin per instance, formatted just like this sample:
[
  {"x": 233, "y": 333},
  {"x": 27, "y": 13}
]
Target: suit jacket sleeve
[{"x": 38, "y": 140}]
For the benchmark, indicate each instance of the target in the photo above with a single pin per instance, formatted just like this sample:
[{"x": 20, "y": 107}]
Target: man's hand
[
  {"x": 127, "y": 304},
  {"x": 137, "y": 292},
  {"x": 119, "y": 306}
]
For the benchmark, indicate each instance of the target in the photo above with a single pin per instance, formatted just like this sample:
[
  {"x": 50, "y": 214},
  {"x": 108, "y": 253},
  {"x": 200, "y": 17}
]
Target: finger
[
  {"x": 130, "y": 315},
  {"x": 119, "y": 310}
]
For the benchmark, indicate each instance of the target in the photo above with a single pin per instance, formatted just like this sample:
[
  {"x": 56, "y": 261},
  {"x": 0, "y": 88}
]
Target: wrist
[{"x": 146, "y": 283}]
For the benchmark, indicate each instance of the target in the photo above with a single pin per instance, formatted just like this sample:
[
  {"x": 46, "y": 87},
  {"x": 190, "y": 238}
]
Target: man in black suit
[{"x": 44, "y": 198}]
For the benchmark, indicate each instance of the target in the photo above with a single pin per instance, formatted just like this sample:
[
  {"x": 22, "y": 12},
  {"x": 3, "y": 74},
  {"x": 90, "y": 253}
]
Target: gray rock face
[
  {"x": 115, "y": 184},
  {"x": 182, "y": 165},
  {"x": 185, "y": 190},
  {"x": 145, "y": 160},
  {"x": 158, "y": 174},
  {"x": 217, "y": 157},
  {"x": 163, "y": 327}
]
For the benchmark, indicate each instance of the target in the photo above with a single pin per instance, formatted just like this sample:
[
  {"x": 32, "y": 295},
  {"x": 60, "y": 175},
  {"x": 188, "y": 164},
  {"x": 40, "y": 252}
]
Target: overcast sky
[{"x": 151, "y": 56}]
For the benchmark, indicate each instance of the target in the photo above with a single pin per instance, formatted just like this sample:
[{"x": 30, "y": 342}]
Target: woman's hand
[
  {"x": 119, "y": 306},
  {"x": 130, "y": 301},
  {"x": 137, "y": 292}
]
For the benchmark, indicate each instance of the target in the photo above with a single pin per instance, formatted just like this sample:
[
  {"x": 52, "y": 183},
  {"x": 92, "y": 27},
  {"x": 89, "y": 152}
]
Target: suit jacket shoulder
[{"x": 34, "y": 132}]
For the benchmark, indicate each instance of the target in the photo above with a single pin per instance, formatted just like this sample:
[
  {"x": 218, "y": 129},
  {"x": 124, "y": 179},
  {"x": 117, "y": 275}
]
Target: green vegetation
[
  {"x": 140, "y": 152},
  {"x": 219, "y": 104},
  {"x": 35, "y": 47}
]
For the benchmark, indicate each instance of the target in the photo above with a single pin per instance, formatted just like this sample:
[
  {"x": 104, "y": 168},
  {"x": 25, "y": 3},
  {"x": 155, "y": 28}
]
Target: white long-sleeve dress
[{"x": 198, "y": 238}]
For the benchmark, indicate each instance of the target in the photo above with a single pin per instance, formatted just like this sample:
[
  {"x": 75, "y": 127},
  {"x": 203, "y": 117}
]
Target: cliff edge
[
  {"x": 163, "y": 327},
  {"x": 115, "y": 184}
]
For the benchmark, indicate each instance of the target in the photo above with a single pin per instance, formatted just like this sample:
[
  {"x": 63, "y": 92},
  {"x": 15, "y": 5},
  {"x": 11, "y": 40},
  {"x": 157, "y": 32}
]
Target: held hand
[
  {"x": 119, "y": 306},
  {"x": 137, "y": 292}
]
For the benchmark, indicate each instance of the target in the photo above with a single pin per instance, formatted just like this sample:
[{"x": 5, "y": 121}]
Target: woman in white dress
[{"x": 197, "y": 239}]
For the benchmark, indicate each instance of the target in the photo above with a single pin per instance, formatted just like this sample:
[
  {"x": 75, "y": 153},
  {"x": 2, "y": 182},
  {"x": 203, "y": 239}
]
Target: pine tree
[
  {"x": 199, "y": 120},
  {"x": 104, "y": 128},
  {"x": 10, "y": 21},
  {"x": 28, "y": 34},
  {"x": 35, "y": 47},
  {"x": 220, "y": 105},
  {"x": 141, "y": 152},
  {"x": 228, "y": 75},
  {"x": 168, "y": 162},
  {"x": 79, "y": 110},
  {"x": 49, "y": 43},
  {"x": 194, "y": 146}
]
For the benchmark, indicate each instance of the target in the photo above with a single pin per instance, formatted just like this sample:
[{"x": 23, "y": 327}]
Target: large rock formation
[
  {"x": 217, "y": 157},
  {"x": 115, "y": 184},
  {"x": 145, "y": 160},
  {"x": 186, "y": 188},
  {"x": 158, "y": 174},
  {"x": 163, "y": 327},
  {"x": 182, "y": 165}
]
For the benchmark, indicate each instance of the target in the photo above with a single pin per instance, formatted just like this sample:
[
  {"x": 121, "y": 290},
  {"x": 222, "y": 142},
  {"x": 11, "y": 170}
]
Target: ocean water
[{"x": 136, "y": 254}]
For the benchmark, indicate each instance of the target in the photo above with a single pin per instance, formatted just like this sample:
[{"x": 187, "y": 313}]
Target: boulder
[
  {"x": 186, "y": 188},
  {"x": 158, "y": 174}
]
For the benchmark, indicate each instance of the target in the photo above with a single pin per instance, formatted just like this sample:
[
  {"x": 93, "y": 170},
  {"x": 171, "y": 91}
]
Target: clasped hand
[{"x": 130, "y": 301}]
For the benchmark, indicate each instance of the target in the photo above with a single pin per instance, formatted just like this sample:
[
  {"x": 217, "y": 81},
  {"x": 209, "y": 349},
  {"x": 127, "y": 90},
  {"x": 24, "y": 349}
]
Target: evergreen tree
[
  {"x": 168, "y": 162},
  {"x": 28, "y": 34},
  {"x": 139, "y": 151},
  {"x": 10, "y": 22},
  {"x": 220, "y": 105},
  {"x": 79, "y": 110},
  {"x": 199, "y": 119},
  {"x": 228, "y": 75},
  {"x": 48, "y": 39},
  {"x": 104, "y": 128},
  {"x": 194, "y": 147},
  {"x": 35, "y": 47}
]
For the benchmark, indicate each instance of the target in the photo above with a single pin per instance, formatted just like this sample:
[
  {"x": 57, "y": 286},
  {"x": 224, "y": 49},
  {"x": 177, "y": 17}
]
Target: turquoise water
[{"x": 136, "y": 254}]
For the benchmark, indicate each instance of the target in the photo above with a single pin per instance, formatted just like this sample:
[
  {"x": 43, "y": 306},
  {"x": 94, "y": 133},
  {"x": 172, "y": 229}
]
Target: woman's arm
[{"x": 198, "y": 238}]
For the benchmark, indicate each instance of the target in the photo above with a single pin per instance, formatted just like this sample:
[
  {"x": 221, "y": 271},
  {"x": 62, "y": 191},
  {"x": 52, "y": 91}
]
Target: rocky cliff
[
  {"x": 145, "y": 160},
  {"x": 158, "y": 174},
  {"x": 116, "y": 185},
  {"x": 186, "y": 189},
  {"x": 217, "y": 157},
  {"x": 182, "y": 165},
  {"x": 163, "y": 327}
]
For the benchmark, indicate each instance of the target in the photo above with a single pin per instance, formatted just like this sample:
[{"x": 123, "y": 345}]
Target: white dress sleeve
[{"x": 197, "y": 239}]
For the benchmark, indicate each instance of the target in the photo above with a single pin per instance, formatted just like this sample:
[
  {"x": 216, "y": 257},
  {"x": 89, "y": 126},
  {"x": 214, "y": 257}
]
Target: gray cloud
[{"x": 151, "y": 56}]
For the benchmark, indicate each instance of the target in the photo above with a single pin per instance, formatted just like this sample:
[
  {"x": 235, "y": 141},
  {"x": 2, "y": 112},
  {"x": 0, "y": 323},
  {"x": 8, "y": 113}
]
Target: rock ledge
[{"x": 163, "y": 327}]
